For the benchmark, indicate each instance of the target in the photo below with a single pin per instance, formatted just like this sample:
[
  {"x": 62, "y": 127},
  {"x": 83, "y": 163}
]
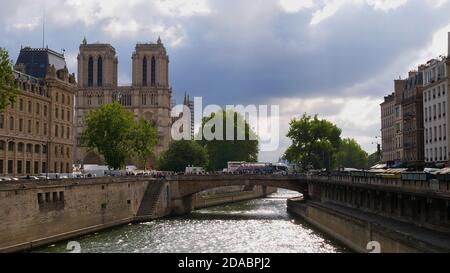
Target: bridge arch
[{"x": 184, "y": 187}]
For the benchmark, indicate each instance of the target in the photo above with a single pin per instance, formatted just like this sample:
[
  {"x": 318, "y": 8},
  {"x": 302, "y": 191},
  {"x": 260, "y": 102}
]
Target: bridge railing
[{"x": 387, "y": 181}]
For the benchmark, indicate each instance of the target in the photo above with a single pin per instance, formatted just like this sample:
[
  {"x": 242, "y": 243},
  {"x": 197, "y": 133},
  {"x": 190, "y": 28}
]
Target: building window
[
  {"x": 56, "y": 130},
  {"x": 11, "y": 123},
  {"x": 90, "y": 72},
  {"x": 29, "y": 148},
  {"x": 37, "y": 149},
  {"x": 1, "y": 166},
  {"x": 30, "y": 107},
  {"x": 11, "y": 146},
  {"x": 38, "y": 108},
  {"x": 100, "y": 71},
  {"x": 144, "y": 71},
  {"x": 2, "y": 145},
  {"x": 45, "y": 129},
  {"x": 445, "y": 131},
  {"x": 45, "y": 110},
  {"x": 36, "y": 167},
  {"x": 37, "y": 128},
  {"x": 21, "y": 104},
  {"x": 153, "y": 78},
  {"x": 20, "y": 125},
  {"x": 20, "y": 147},
  {"x": 10, "y": 166},
  {"x": 28, "y": 167},
  {"x": 2, "y": 121},
  {"x": 144, "y": 99},
  {"x": 29, "y": 126},
  {"x": 19, "y": 167}
]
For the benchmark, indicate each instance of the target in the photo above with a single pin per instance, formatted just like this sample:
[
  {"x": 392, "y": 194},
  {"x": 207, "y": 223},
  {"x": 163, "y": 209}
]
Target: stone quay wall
[
  {"x": 200, "y": 201},
  {"x": 356, "y": 232},
  {"x": 37, "y": 213}
]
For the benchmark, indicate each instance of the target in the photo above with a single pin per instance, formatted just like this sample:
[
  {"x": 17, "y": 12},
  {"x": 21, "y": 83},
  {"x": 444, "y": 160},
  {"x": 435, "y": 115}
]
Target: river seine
[{"x": 260, "y": 226}]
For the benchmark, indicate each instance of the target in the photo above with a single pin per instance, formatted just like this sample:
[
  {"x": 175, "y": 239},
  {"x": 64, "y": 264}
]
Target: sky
[{"x": 334, "y": 58}]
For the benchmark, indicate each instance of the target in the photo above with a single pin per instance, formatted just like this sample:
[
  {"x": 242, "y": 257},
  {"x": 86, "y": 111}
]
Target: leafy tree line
[
  {"x": 111, "y": 131},
  {"x": 215, "y": 154},
  {"x": 318, "y": 144},
  {"x": 8, "y": 87}
]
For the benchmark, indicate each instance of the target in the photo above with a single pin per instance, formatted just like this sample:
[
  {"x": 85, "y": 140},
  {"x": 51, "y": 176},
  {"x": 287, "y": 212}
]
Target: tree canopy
[
  {"x": 351, "y": 155},
  {"x": 111, "y": 131},
  {"x": 8, "y": 86},
  {"x": 181, "y": 154},
  {"x": 314, "y": 142},
  {"x": 144, "y": 138},
  {"x": 242, "y": 147}
]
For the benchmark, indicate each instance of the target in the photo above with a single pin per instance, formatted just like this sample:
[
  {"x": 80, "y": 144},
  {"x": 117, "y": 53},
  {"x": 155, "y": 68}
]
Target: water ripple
[{"x": 257, "y": 226}]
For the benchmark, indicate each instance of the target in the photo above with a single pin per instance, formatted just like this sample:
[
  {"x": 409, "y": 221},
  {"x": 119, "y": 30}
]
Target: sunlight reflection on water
[{"x": 260, "y": 226}]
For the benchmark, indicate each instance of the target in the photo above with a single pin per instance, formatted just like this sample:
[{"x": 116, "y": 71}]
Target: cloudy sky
[{"x": 336, "y": 58}]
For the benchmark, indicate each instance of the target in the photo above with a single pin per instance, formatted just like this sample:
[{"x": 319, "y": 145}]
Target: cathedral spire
[{"x": 159, "y": 40}]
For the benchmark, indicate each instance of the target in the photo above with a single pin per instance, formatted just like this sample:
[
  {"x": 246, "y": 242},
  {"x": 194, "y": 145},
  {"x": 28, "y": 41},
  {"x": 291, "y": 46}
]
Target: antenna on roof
[
  {"x": 43, "y": 24},
  {"x": 43, "y": 28}
]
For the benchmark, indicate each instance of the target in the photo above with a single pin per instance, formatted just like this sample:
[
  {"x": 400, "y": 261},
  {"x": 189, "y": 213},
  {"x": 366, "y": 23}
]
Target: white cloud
[
  {"x": 331, "y": 7},
  {"x": 183, "y": 7},
  {"x": 386, "y": 5},
  {"x": 436, "y": 3},
  {"x": 293, "y": 6},
  {"x": 437, "y": 46}
]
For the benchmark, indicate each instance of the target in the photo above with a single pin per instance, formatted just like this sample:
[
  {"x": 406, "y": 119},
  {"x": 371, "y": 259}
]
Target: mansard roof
[{"x": 36, "y": 61}]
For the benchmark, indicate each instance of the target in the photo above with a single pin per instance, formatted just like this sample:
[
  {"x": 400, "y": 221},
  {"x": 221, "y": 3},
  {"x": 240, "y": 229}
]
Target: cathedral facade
[{"x": 148, "y": 97}]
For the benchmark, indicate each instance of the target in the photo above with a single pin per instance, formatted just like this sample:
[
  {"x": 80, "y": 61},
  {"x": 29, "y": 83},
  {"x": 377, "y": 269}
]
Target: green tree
[
  {"x": 144, "y": 138},
  {"x": 222, "y": 151},
  {"x": 314, "y": 142},
  {"x": 181, "y": 154},
  {"x": 108, "y": 130},
  {"x": 351, "y": 155},
  {"x": 8, "y": 86}
]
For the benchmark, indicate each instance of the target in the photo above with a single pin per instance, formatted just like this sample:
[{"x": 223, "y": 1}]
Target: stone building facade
[
  {"x": 36, "y": 132},
  {"x": 399, "y": 87},
  {"x": 387, "y": 129},
  {"x": 435, "y": 101},
  {"x": 148, "y": 97},
  {"x": 413, "y": 130}
]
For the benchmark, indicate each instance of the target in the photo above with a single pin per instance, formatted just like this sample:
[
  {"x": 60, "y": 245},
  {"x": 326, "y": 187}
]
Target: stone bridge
[{"x": 184, "y": 187}]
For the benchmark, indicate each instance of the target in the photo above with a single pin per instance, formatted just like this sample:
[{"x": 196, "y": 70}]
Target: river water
[{"x": 260, "y": 226}]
